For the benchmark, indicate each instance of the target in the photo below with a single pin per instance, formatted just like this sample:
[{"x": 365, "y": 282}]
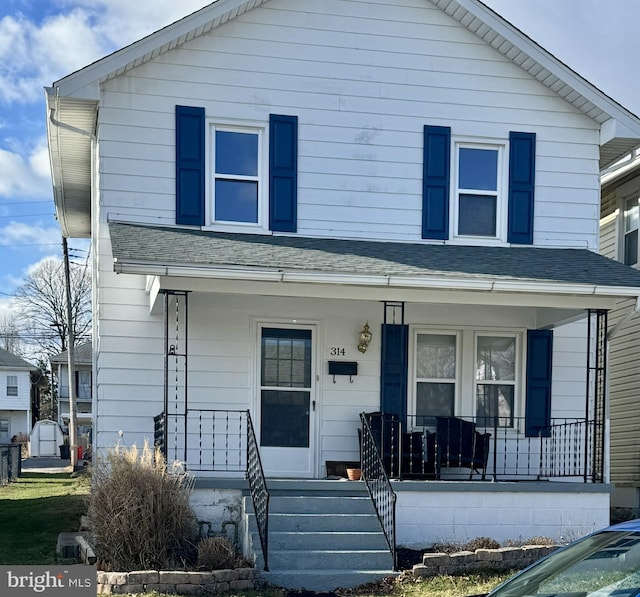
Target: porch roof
[{"x": 167, "y": 251}]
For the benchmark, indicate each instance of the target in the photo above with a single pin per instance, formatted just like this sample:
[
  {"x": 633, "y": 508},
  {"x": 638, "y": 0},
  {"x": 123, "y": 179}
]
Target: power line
[
  {"x": 24, "y": 202},
  {"x": 16, "y": 216}
]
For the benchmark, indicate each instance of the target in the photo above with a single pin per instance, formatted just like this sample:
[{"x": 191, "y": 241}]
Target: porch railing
[
  {"x": 259, "y": 490},
  {"x": 497, "y": 448},
  {"x": 221, "y": 441},
  {"x": 378, "y": 484}
]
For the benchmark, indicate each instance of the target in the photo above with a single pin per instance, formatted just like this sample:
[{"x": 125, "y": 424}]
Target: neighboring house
[
  {"x": 17, "y": 394},
  {"x": 619, "y": 223},
  {"x": 263, "y": 179},
  {"x": 83, "y": 382}
]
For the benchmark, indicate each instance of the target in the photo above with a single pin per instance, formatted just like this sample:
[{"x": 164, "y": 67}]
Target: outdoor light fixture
[{"x": 364, "y": 338}]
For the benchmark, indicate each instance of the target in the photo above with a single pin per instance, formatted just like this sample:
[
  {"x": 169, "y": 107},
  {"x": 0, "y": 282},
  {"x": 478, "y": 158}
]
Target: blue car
[{"x": 603, "y": 564}]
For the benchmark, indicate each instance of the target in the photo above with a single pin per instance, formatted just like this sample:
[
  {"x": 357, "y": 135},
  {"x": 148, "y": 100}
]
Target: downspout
[
  {"x": 630, "y": 313},
  {"x": 71, "y": 342}
]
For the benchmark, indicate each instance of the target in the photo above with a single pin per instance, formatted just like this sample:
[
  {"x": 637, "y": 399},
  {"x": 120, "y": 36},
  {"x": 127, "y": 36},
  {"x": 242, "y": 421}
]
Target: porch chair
[{"x": 460, "y": 445}]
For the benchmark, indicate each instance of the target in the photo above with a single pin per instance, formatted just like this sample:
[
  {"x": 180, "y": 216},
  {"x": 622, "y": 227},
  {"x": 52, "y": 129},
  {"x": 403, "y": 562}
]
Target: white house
[
  {"x": 82, "y": 379},
  {"x": 16, "y": 391},
  {"x": 262, "y": 180}
]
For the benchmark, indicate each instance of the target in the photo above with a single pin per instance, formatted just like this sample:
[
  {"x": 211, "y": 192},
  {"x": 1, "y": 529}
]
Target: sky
[{"x": 44, "y": 40}]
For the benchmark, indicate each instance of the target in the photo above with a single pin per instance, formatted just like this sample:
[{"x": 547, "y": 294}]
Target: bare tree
[
  {"x": 42, "y": 307},
  {"x": 9, "y": 333}
]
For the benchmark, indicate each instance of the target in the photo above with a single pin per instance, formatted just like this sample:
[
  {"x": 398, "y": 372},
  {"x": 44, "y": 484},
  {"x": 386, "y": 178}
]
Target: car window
[{"x": 606, "y": 564}]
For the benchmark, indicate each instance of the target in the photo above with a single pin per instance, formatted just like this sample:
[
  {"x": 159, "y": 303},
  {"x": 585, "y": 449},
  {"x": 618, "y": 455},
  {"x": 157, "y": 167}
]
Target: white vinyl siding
[{"x": 363, "y": 82}]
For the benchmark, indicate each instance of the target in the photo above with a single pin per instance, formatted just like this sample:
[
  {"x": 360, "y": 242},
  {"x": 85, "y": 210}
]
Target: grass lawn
[
  {"x": 33, "y": 510},
  {"x": 38, "y": 506}
]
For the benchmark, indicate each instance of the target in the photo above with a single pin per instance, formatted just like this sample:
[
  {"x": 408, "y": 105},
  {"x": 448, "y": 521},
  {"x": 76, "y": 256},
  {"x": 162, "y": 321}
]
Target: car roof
[{"x": 629, "y": 525}]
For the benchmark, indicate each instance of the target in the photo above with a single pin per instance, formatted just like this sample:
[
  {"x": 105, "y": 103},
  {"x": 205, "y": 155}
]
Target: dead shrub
[
  {"x": 217, "y": 553},
  {"x": 140, "y": 513},
  {"x": 480, "y": 543}
]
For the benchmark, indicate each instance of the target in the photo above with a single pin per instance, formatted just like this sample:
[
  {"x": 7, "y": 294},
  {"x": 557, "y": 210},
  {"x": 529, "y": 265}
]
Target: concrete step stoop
[{"x": 320, "y": 542}]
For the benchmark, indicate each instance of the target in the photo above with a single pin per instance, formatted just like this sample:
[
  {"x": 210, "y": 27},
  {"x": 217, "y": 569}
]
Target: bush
[
  {"x": 139, "y": 512},
  {"x": 217, "y": 553}
]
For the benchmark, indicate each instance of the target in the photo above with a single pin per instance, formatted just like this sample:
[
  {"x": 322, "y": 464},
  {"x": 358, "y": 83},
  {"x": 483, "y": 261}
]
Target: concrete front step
[
  {"x": 304, "y": 559},
  {"x": 338, "y": 540},
  {"x": 320, "y": 504},
  {"x": 354, "y": 523},
  {"x": 320, "y": 542},
  {"x": 324, "y": 580}
]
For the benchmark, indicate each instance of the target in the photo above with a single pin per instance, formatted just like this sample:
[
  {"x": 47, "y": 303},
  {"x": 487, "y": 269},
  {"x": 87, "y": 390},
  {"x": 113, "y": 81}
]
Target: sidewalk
[{"x": 44, "y": 464}]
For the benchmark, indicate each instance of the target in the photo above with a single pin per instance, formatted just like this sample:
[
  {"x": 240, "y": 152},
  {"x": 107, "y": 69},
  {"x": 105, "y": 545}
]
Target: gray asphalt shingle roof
[
  {"x": 134, "y": 243},
  {"x": 82, "y": 355},
  {"x": 9, "y": 360}
]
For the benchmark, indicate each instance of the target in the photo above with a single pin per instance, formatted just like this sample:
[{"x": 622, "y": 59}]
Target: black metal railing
[
  {"x": 497, "y": 449},
  {"x": 10, "y": 462},
  {"x": 378, "y": 485},
  {"x": 259, "y": 490}
]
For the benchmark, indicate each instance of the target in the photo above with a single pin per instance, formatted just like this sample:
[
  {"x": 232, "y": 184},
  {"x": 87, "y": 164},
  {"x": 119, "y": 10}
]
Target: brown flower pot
[{"x": 354, "y": 474}]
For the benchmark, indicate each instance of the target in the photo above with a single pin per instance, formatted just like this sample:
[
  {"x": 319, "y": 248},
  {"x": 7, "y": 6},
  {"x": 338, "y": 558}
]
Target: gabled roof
[
  {"x": 175, "y": 251},
  {"x": 82, "y": 355},
  {"x": 73, "y": 99},
  {"x": 8, "y": 360}
]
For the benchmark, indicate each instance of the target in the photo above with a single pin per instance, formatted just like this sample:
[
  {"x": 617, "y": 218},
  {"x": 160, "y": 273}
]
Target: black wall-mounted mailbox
[{"x": 343, "y": 368}]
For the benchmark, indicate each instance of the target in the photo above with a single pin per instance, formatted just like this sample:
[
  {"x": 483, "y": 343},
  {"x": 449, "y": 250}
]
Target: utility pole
[{"x": 73, "y": 419}]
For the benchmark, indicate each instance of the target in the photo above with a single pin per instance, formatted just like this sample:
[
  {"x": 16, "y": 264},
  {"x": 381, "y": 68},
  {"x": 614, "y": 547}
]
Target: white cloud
[
  {"x": 25, "y": 176},
  {"x": 40, "y": 238}
]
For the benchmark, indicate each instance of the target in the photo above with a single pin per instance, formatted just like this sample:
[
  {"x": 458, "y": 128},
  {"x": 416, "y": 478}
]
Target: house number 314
[{"x": 337, "y": 351}]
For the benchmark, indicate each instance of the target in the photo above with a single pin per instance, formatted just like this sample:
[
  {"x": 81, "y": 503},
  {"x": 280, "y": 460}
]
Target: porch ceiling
[{"x": 421, "y": 272}]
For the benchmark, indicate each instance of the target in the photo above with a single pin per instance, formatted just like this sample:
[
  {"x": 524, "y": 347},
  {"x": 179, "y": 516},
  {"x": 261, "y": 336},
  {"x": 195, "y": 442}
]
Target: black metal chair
[{"x": 460, "y": 445}]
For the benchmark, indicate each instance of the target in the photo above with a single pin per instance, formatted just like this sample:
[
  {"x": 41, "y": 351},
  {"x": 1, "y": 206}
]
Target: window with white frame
[
  {"x": 480, "y": 195},
  {"x": 12, "y": 385},
  {"x": 4, "y": 430},
  {"x": 495, "y": 379},
  {"x": 236, "y": 185},
  {"x": 630, "y": 231},
  {"x": 436, "y": 368}
]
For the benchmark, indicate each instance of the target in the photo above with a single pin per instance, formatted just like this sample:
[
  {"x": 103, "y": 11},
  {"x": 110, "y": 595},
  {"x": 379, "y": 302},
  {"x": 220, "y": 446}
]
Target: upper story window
[
  {"x": 12, "y": 385},
  {"x": 478, "y": 192},
  {"x": 237, "y": 182},
  {"x": 479, "y": 196},
  {"x": 631, "y": 224}
]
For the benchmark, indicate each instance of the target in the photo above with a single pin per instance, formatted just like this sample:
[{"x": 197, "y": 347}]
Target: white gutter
[{"x": 391, "y": 281}]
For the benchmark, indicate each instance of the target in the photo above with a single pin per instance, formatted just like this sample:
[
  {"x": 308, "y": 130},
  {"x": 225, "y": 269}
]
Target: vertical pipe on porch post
[
  {"x": 495, "y": 448},
  {"x": 165, "y": 431},
  {"x": 586, "y": 416},
  {"x": 186, "y": 371}
]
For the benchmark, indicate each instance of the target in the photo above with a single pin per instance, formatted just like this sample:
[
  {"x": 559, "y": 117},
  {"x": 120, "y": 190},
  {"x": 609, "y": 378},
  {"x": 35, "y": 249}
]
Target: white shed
[{"x": 45, "y": 438}]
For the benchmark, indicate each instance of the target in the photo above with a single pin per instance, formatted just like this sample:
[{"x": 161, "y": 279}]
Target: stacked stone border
[
  {"x": 500, "y": 559},
  {"x": 171, "y": 581}
]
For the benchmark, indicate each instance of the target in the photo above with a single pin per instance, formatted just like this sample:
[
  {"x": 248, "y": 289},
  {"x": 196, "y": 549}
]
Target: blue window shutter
[
  {"x": 522, "y": 170},
  {"x": 190, "y": 165},
  {"x": 435, "y": 182},
  {"x": 283, "y": 173},
  {"x": 539, "y": 364},
  {"x": 393, "y": 369}
]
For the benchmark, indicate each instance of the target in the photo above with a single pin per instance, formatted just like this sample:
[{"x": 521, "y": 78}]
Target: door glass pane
[
  {"x": 285, "y": 419},
  {"x": 477, "y": 215},
  {"x": 631, "y": 215},
  {"x": 286, "y": 358},
  {"x": 478, "y": 169},
  {"x": 496, "y": 358},
  {"x": 436, "y": 356}
]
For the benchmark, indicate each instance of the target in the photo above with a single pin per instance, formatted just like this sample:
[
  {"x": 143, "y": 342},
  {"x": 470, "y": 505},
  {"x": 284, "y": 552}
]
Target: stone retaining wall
[
  {"x": 170, "y": 581},
  {"x": 503, "y": 558}
]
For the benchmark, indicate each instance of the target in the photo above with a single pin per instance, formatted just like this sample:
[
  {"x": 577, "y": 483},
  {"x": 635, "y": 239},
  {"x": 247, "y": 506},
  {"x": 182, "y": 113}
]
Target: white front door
[{"x": 286, "y": 400}]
